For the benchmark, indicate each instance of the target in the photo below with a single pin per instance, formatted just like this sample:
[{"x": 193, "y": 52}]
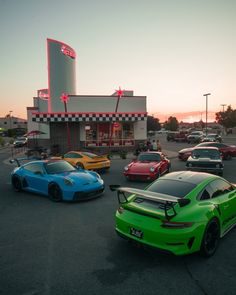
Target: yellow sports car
[{"x": 87, "y": 160}]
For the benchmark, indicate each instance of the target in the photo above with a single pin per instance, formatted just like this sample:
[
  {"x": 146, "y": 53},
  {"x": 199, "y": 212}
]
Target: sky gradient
[{"x": 171, "y": 51}]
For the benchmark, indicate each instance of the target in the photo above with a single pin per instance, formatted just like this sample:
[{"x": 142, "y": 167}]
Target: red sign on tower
[{"x": 64, "y": 97}]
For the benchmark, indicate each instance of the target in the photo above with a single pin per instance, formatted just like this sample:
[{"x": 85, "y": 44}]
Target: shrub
[{"x": 2, "y": 141}]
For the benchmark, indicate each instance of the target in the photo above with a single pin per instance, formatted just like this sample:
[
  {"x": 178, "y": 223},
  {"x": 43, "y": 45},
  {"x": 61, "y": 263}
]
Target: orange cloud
[{"x": 186, "y": 116}]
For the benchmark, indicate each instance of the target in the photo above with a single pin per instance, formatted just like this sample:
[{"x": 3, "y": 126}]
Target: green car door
[{"x": 224, "y": 196}]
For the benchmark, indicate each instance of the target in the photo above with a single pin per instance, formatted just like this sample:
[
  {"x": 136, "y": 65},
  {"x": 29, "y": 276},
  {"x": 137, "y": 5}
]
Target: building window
[
  {"x": 109, "y": 134},
  {"x": 128, "y": 134},
  {"x": 91, "y": 134},
  {"x": 104, "y": 134},
  {"x": 128, "y": 131}
]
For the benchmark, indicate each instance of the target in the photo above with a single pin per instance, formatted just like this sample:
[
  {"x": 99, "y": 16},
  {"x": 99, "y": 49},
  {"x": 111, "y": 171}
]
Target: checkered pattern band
[{"x": 88, "y": 117}]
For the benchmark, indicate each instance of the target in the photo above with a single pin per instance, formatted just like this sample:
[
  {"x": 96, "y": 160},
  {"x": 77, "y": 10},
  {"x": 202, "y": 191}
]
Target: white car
[
  {"x": 195, "y": 137},
  {"x": 20, "y": 142}
]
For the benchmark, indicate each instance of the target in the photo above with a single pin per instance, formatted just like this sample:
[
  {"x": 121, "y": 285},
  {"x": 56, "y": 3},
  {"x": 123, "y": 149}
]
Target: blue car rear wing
[{"x": 19, "y": 161}]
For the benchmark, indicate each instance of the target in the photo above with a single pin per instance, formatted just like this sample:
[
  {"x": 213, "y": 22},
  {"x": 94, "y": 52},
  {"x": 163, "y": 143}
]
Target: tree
[
  {"x": 171, "y": 124},
  {"x": 227, "y": 119},
  {"x": 153, "y": 124}
]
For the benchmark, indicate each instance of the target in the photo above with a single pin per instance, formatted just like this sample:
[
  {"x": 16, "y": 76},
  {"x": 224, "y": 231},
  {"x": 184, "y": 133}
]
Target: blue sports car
[{"x": 57, "y": 179}]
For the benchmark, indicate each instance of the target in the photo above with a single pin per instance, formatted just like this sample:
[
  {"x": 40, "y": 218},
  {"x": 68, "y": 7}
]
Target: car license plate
[{"x": 136, "y": 232}]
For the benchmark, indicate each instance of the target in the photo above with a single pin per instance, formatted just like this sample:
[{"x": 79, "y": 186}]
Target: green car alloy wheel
[{"x": 181, "y": 213}]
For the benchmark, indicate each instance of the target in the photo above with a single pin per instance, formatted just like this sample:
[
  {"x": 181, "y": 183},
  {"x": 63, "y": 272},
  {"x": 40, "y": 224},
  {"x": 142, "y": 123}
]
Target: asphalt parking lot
[{"x": 71, "y": 248}]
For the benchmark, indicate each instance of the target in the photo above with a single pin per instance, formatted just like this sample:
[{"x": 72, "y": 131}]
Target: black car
[
  {"x": 205, "y": 159},
  {"x": 171, "y": 135}
]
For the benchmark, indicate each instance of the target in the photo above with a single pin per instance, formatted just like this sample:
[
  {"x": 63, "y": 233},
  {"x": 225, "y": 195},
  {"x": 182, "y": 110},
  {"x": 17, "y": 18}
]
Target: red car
[
  {"x": 227, "y": 151},
  {"x": 147, "y": 167}
]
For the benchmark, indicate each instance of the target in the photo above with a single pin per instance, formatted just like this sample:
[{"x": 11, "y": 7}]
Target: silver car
[{"x": 205, "y": 159}]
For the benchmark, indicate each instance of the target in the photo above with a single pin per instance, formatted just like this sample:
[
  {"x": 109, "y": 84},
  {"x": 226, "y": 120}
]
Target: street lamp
[
  {"x": 65, "y": 98},
  {"x": 223, "y": 105},
  {"x": 206, "y": 108}
]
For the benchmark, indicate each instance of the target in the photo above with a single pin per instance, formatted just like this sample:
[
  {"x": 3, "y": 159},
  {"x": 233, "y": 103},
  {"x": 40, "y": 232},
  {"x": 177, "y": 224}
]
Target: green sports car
[{"x": 181, "y": 212}]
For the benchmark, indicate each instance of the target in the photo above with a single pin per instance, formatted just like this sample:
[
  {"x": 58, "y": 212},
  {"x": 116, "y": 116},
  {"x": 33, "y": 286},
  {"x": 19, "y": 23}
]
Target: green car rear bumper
[{"x": 148, "y": 231}]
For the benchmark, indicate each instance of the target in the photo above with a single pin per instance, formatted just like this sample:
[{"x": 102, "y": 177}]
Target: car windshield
[
  {"x": 171, "y": 187},
  {"x": 90, "y": 155},
  {"x": 214, "y": 144},
  {"x": 211, "y": 135},
  {"x": 20, "y": 139},
  {"x": 59, "y": 167},
  {"x": 196, "y": 133},
  {"x": 206, "y": 153},
  {"x": 149, "y": 158}
]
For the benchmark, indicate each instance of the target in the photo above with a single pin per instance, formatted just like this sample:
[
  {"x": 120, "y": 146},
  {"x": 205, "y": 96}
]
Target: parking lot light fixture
[{"x": 223, "y": 105}]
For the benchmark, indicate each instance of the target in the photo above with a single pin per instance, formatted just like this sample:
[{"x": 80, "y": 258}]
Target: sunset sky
[{"x": 171, "y": 51}]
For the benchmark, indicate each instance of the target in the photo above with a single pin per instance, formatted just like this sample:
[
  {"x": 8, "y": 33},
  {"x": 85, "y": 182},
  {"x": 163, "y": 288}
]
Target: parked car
[
  {"x": 185, "y": 153},
  {"x": 86, "y": 160},
  {"x": 212, "y": 137},
  {"x": 195, "y": 137},
  {"x": 147, "y": 166},
  {"x": 181, "y": 136},
  {"x": 227, "y": 151},
  {"x": 57, "y": 179},
  {"x": 205, "y": 159},
  {"x": 20, "y": 142},
  {"x": 171, "y": 135},
  {"x": 181, "y": 212}
]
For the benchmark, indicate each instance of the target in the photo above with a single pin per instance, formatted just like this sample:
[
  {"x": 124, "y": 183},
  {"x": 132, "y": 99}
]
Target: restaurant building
[{"x": 72, "y": 122}]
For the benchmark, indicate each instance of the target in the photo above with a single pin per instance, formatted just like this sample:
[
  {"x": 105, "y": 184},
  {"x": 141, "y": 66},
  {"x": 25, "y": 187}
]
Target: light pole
[
  {"x": 65, "y": 98},
  {"x": 119, "y": 95},
  {"x": 10, "y": 119},
  {"x": 206, "y": 108},
  {"x": 223, "y": 105}
]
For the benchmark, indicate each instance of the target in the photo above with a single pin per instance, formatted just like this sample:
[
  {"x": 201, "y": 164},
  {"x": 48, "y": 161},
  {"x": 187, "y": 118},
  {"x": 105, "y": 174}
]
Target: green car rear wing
[{"x": 169, "y": 201}]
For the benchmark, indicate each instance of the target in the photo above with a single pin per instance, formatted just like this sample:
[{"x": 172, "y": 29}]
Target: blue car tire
[
  {"x": 55, "y": 193},
  {"x": 16, "y": 183}
]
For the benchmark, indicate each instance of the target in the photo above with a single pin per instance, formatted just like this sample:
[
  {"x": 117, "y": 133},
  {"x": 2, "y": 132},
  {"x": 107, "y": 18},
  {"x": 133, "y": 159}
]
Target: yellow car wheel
[{"x": 79, "y": 165}]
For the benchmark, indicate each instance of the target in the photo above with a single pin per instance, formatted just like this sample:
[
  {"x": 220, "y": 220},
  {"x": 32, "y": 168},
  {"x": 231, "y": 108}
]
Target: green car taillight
[
  {"x": 120, "y": 210},
  {"x": 175, "y": 225}
]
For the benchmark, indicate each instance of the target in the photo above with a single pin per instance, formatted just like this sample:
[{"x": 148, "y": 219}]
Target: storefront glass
[
  {"x": 109, "y": 134},
  {"x": 128, "y": 134},
  {"x": 104, "y": 134},
  {"x": 91, "y": 134}
]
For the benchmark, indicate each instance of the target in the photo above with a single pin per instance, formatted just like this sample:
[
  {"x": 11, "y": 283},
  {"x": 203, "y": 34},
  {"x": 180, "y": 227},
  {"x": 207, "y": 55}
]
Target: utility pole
[
  {"x": 10, "y": 118},
  {"x": 206, "y": 95}
]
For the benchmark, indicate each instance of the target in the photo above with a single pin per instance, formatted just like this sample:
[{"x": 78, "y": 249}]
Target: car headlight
[
  {"x": 126, "y": 168},
  {"x": 98, "y": 175},
  {"x": 68, "y": 181},
  {"x": 189, "y": 165},
  {"x": 152, "y": 169},
  {"x": 217, "y": 165}
]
